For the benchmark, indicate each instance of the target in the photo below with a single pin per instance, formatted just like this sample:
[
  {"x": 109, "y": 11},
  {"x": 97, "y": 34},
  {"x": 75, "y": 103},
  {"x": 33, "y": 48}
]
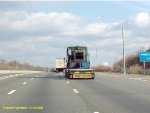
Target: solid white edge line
[
  {"x": 76, "y": 91},
  {"x": 11, "y": 92},
  {"x": 24, "y": 83}
]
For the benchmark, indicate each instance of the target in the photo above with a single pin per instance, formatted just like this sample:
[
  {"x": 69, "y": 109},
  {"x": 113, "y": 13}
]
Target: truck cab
[{"x": 77, "y": 58}]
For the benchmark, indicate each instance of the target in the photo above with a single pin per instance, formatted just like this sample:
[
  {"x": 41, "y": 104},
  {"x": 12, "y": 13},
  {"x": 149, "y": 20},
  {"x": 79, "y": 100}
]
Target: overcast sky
[{"x": 39, "y": 32}]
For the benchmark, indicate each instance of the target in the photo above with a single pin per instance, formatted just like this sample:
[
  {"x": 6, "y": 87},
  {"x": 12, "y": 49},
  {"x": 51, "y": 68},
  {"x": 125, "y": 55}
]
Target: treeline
[
  {"x": 16, "y": 65},
  {"x": 133, "y": 65},
  {"x": 102, "y": 68}
]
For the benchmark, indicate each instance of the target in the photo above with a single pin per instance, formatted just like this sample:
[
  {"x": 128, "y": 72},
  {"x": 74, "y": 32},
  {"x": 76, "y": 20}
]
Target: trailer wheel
[
  {"x": 92, "y": 78},
  {"x": 70, "y": 76}
]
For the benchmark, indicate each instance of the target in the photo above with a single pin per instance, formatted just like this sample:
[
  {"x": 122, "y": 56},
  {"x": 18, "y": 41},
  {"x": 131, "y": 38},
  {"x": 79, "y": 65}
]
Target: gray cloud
[{"x": 13, "y": 5}]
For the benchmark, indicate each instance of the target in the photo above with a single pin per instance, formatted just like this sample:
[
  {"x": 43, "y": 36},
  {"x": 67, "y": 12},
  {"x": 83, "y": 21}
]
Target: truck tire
[
  {"x": 92, "y": 78},
  {"x": 70, "y": 76}
]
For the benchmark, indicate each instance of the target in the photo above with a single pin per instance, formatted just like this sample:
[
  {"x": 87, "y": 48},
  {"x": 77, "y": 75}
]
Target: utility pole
[
  {"x": 144, "y": 67},
  {"x": 96, "y": 52},
  {"x": 124, "y": 61},
  {"x": 123, "y": 46},
  {"x": 16, "y": 65}
]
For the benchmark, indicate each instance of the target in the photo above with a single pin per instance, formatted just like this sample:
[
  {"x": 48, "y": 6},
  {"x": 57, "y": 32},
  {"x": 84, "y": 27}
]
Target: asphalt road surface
[{"x": 51, "y": 93}]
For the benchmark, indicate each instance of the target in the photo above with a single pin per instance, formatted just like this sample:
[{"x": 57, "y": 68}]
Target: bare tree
[{"x": 2, "y": 61}]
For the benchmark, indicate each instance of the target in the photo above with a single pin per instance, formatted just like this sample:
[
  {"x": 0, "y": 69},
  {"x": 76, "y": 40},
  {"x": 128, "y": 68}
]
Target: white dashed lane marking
[
  {"x": 16, "y": 75},
  {"x": 11, "y": 92},
  {"x": 31, "y": 78},
  {"x": 67, "y": 82},
  {"x": 144, "y": 80},
  {"x": 6, "y": 77},
  {"x": 76, "y": 91},
  {"x": 10, "y": 76},
  {"x": 24, "y": 83}
]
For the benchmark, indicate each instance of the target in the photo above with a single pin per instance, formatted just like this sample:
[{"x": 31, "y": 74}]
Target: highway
[{"x": 52, "y": 93}]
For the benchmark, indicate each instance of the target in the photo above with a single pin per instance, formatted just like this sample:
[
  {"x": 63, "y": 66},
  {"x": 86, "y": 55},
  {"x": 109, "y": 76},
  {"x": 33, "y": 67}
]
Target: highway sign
[{"x": 144, "y": 56}]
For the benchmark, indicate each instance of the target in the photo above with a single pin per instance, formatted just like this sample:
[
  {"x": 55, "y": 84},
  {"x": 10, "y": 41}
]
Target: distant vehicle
[
  {"x": 60, "y": 64},
  {"x": 53, "y": 70},
  {"x": 78, "y": 64}
]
